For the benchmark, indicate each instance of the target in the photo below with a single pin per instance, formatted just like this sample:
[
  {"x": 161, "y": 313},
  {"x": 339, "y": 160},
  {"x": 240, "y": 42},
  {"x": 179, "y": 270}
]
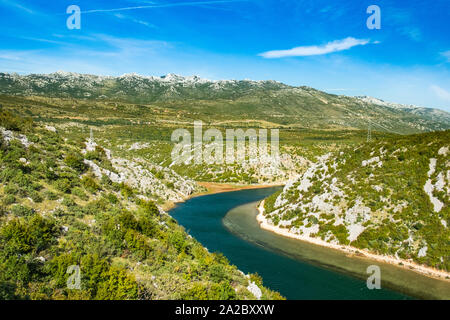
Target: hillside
[
  {"x": 390, "y": 197},
  {"x": 145, "y": 131},
  {"x": 86, "y": 171},
  {"x": 190, "y": 98},
  {"x": 67, "y": 201}
]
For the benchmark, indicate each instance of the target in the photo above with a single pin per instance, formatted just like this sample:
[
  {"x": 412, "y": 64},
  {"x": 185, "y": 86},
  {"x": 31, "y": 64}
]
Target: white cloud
[
  {"x": 124, "y": 17},
  {"x": 441, "y": 93},
  {"x": 165, "y": 5},
  {"x": 413, "y": 33},
  {"x": 333, "y": 46},
  {"x": 17, "y": 6},
  {"x": 446, "y": 54}
]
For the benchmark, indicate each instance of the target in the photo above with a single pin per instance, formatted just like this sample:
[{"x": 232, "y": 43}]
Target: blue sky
[{"x": 322, "y": 44}]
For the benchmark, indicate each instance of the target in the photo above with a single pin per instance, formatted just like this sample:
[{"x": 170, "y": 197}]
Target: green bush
[
  {"x": 75, "y": 161},
  {"x": 126, "y": 190},
  {"x": 9, "y": 199},
  {"x": 21, "y": 211},
  {"x": 98, "y": 154},
  {"x": 12, "y": 122},
  {"x": 80, "y": 193},
  {"x": 36, "y": 196},
  {"x": 118, "y": 285},
  {"x": 127, "y": 220},
  {"x": 63, "y": 185},
  {"x": 197, "y": 292},
  {"x": 177, "y": 239},
  {"x": 137, "y": 244},
  {"x": 218, "y": 273},
  {"x": 149, "y": 207},
  {"x": 112, "y": 198},
  {"x": 221, "y": 291},
  {"x": 23, "y": 235},
  {"x": 49, "y": 195},
  {"x": 90, "y": 183}
]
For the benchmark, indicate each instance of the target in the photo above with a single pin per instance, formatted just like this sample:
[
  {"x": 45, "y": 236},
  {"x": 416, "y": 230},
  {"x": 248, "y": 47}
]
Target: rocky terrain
[
  {"x": 66, "y": 201},
  {"x": 267, "y": 102},
  {"x": 390, "y": 197}
]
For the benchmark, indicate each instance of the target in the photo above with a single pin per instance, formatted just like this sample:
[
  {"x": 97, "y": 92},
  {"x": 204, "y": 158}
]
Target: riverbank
[
  {"x": 208, "y": 219},
  {"x": 352, "y": 251},
  {"x": 215, "y": 187}
]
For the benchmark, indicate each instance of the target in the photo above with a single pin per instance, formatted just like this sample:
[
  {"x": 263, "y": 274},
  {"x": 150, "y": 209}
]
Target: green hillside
[
  {"x": 55, "y": 211},
  {"x": 189, "y": 98},
  {"x": 389, "y": 196}
]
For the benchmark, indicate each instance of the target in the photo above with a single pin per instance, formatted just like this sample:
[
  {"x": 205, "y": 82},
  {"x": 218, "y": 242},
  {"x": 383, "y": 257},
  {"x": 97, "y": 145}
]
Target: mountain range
[{"x": 269, "y": 101}]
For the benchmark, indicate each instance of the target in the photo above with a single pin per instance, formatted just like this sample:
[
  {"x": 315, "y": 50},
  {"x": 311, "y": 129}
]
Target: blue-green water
[{"x": 293, "y": 278}]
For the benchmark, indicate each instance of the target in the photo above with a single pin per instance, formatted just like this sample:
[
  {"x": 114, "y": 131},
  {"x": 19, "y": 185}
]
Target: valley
[{"x": 87, "y": 172}]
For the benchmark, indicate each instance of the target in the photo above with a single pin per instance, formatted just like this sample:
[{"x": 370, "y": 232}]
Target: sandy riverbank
[
  {"x": 428, "y": 271},
  {"x": 214, "y": 187}
]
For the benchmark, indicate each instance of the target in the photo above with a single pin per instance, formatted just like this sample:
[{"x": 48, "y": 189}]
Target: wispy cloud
[
  {"x": 165, "y": 5},
  {"x": 17, "y": 6},
  {"x": 446, "y": 55},
  {"x": 440, "y": 92},
  {"x": 413, "y": 33},
  {"x": 333, "y": 46},
  {"x": 125, "y": 17}
]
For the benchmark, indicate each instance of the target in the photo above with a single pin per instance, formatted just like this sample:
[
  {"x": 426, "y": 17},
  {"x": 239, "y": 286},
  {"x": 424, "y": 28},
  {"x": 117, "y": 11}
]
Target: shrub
[
  {"x": 11, "y": 189},
  {"x": 7, "y": 290},
  {"x": 57, "y": 267},
  {"x": 218, "y": 273},
  {"x": 127, "y": 220},
  {"x": 68, "y": 202},
  {"x": 24, "y": 235},
  {"x": 36, "y": 196},
  {"x": 43, "y": 231},
  {"x": 21, "y": 211},
  {"x": 12, "y": 122},
  {"x": 98, "y": 154},
  {"x": 118, "y": 285},
  {"x": 149, "y": 207},
  {"x": 93, "y": 270},
  {"x": 9, "y": 199},
  {"x": 63, "y": 185},
  {"x": 137, "y": 244},
  {"x": 197, "y": 292},
  {"x": 112, "y": 198},
  {"x": 126, "y": 190},
  {"x": 221, "y": 291},
  {"x": 269, "y": 202},
  {"x": 178, "y": 240},
  {"x": 80, "y": 193},
  {"x": 148, "y": 226},
  {"x": 90, "y": 183},
  {"x": 15, "y": 236},
  {"x": 50, "y": 195},
  {"x": 75, "y": 161},
  {"x": 3, "y": 210}
]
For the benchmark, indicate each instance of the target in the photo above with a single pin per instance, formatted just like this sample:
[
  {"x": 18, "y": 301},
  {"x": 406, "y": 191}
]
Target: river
[{"x": 225, "y": 222}]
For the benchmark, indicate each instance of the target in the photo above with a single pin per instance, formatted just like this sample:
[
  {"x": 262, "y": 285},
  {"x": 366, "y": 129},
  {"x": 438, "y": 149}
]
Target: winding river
[{"x": 226, "y": 222}]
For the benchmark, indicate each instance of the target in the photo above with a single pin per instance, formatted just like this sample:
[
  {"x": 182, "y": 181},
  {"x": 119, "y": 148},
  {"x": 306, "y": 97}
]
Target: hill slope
[
  {"x": 391, "y": 197},
  {"x": 230, "y": 100},
  {"x": 67, "y": 202}
]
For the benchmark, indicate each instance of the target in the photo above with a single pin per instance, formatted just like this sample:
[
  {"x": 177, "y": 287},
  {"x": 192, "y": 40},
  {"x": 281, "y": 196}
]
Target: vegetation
[
  {"x": 380, "y": 188},
  {"x": 56, "y": 213}
]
